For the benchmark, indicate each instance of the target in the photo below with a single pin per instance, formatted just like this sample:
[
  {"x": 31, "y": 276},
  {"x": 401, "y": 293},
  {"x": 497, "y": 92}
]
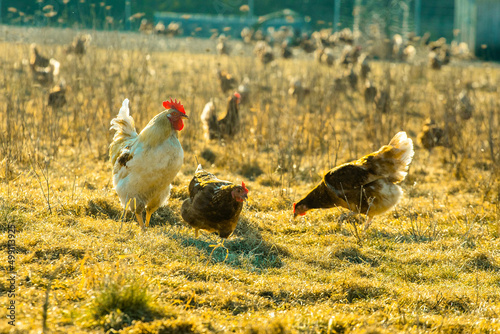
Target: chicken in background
[
  {"x": 464, "y": 106},
  {"x": 432, "y": 135},
  {"x": 43, "y": 69},
  {"x": 225, "y": 127},
  {"x": 79, "y": 45},
  {"x": 434, "y": 62},
  {"x": 383, "y": 100},
  {"x": 222, "y": 46},
  {"x": 36, "y": 59},
  {"x": 57, "y": 96},
  {"x": 368, "y": 185},
  {"x": 145, "y": 164},
  {"x": 264, "y": 52},
  {"x": 324, "y": 56},
  {"x": 297, "y": 90},
  {"x": 439, "y": 54},
  {"x": 226, "y": 80},
  {"x": 370, "y": 92},
  {"x": 350, "y": 55},
  {"x": 213, "y": 205}
]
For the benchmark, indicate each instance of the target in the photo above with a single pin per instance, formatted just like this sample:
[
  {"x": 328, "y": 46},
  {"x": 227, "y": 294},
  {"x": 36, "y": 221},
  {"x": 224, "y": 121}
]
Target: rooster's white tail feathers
[{"x": 123, "y": 124}]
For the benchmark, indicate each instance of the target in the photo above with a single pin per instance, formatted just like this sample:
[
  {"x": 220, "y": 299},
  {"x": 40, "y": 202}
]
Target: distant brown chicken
[
  {"x": 432, "y": 136},
  {"x": 222, "y": 47},
  {"x": 434, "y": 62},
  {"x": 297, "y": 90},
  {"x": 79, "y": 45},
  {"x": 324, "y": 55},
  {"x": 44, "y": 70},
  {"x": 464, "y": 106},
  {"x": 264, "y": 52},
  {"x": 228, "y": 126},
  {"x": 36, "y": 59},
  {"x": 370, "y": 92},
  {"x": 350, "y": 55},
  {"x": 213, "y": 205},
  {"x": 383, "y": 101},
  {"x": 57, "y": 96},
  {"x": 352, "y": 78},
  {"x": 226, "y": 80},
  {"x": 286, "y": 51},
  {"x": 368, "y": 185}
]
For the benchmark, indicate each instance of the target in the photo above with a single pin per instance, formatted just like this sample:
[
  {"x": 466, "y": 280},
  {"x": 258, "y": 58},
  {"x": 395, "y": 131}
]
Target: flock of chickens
[
  {"x": 145, "y": 163},
  {"x": 45, "y": 71}
]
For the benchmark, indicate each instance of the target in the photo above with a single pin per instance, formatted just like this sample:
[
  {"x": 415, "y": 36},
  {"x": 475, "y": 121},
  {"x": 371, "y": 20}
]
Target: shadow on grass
[
  {"x": 165, "y": 216},
  {"x": 244, "y": 249},
  {"x": 354, "y": 255},
  {"x": 404, "y": 237}
]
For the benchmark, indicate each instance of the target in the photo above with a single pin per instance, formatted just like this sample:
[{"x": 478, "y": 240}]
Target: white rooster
[{"x": 145, "y": 164}]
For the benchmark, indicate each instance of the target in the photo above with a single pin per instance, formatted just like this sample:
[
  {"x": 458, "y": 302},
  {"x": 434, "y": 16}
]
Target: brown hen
[
  {"x": 226, "y": 127},
  {"x": 213, "y": 205},
  {"x": 368, "y": 185}
]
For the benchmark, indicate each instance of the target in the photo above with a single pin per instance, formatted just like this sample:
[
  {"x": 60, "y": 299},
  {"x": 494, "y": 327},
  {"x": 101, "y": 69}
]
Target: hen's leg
[
  {"x": 196, "y": 233},
  {"x": 139, "y": 219},
  {"x": 148, "y": 216}
]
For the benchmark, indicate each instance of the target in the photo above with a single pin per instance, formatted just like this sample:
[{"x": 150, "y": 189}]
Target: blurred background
[{"x": 474, "y": 22}]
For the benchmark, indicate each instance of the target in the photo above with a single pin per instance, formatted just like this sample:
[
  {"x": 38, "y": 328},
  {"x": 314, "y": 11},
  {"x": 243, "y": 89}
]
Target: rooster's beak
[{"x": 184, "y": 115}]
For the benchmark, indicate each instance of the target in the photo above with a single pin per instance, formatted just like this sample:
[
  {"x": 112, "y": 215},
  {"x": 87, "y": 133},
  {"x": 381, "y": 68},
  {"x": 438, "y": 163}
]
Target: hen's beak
[
  {"x": 244, "y": 197},
  {"x": 295, "y": 215}
]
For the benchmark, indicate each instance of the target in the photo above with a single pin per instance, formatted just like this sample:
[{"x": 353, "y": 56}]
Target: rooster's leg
[
  {"x": 139, "y": 219},
  {"x": 368, "y": 223},
  {"x": 196, "y": 233}
]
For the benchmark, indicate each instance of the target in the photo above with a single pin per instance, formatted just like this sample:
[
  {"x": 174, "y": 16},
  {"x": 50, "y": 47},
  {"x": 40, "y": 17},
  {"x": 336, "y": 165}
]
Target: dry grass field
[{"x": 430, "y": 265}]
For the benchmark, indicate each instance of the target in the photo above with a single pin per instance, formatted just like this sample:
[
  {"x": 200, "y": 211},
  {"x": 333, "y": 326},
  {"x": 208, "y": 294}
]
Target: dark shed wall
[
  {"x": 488, "y": 29},
  {"x": 437, "y": 18}
]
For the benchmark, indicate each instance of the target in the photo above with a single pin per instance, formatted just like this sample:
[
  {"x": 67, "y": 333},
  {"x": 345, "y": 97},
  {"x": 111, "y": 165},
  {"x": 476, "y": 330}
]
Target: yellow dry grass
[{"x": 432, "y": 264}]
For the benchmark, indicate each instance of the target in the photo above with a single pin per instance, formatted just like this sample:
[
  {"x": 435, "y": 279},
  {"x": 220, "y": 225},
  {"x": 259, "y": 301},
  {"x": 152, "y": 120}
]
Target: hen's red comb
[
  {"x": 302, "y": 214},
  {"x": 238, "y": 96},
  {"x": 173, "y": 104},
  {"x": 244, "y": 188}
]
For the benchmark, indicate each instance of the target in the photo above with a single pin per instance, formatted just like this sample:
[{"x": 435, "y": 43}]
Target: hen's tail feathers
[
  {"x": 55, "y": 66},
  {"x": 209, "y": 118},
  {"x": 124, "y": 126},
  {"x": 403, "y": 154}
]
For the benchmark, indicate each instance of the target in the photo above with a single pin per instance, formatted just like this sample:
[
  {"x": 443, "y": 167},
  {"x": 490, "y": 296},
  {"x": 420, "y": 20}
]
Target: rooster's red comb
[
  {"x": 238, "y": 96},
  {"x": 174, "y": 104},
  {"x": 244, "y": 188}
]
